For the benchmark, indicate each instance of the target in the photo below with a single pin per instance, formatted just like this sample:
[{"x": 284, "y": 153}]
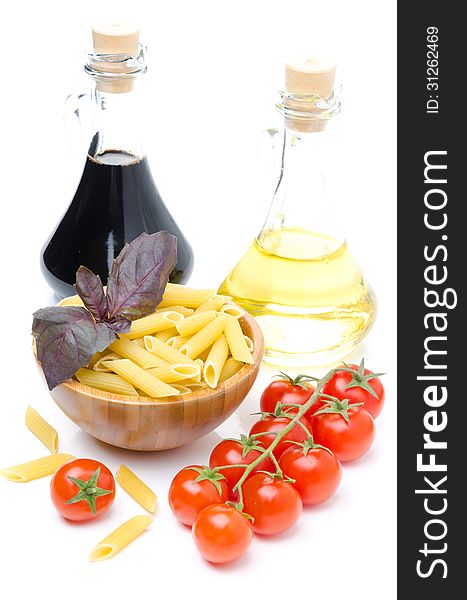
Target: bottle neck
[
  {"x": 300, "y": 207},
  {"x": 116, "y": 132}
]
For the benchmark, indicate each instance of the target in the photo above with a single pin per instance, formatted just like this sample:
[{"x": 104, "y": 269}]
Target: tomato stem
[{"x": 279, "y": 435}]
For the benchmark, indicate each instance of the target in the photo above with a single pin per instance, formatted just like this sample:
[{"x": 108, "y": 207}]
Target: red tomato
[
  {"x": 230, "y": 452},
  {"x": 366, "y": 388},
  {"x": 82, "y": 489},
  {"x": 221, "y": 533},
  {"x": 317, "y": 473},
  {"x": 188, "y": 497},
  {"x": 286, "y": 391},
  {"x": 272, "y": 424},
  {"x": 347, "y": 440},
  {"x": 274, "y": 504}
]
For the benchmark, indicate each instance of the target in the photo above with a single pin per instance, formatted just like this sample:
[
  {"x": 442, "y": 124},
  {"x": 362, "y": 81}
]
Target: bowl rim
[{"x": 258, "y": 353}]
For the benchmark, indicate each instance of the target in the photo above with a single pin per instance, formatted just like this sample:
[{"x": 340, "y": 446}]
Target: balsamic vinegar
[{"x": 115, "y": 202}]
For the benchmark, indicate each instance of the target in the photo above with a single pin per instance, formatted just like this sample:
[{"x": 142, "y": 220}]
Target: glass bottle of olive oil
[{"x": 298, "y": 278}]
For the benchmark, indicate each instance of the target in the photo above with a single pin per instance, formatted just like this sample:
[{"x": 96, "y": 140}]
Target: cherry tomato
[
  {"x": 272, "y": 424},
  {"x": 347, "y": 440},
  {"x": 82, "y": 489},
  {"x": 221, "y": 533},
  {"x": 317, "y": 472},
  {"x": 366, "y": 388},
  {"x": 231, "y": 452},
  {"x": 188, "y": 497},
  {"x": 274, "y": 504},
  {"x": 286, "y": 391}
]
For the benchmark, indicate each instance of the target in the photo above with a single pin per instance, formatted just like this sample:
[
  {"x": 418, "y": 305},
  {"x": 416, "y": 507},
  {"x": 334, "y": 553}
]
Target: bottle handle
[{"x": 75, "y": 125}]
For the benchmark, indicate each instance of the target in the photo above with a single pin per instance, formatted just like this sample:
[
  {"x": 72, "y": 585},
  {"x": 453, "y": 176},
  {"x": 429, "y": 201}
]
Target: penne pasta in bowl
[{"x": 174, "y": 377}]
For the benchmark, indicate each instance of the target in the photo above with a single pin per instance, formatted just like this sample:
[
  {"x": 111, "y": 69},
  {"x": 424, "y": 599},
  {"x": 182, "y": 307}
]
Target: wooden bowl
[{"x": 159, "y": 423}]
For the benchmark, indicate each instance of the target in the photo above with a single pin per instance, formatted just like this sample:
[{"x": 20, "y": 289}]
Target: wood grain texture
[{"x": 138, "y": 423}]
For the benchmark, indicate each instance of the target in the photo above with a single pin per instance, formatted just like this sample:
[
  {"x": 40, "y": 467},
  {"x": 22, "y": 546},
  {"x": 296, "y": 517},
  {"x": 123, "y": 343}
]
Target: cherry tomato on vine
[
  {"x": 286, "y": 391},
  {"x": 82, "y": 489},
  {"x": 347, "y": 430},
  {"x": 270, "y": 424},
  {"x": 221, "y": 533},
  {"x": 316, "y": 471},
  {"x": 194, "y": 488},
  {"x": 238, "y": 452},
  {"x": 359, "y": 386},
  {"x": 274, "y": 504}
]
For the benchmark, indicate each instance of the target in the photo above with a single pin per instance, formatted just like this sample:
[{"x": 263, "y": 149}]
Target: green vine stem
[{"x": 279, "y": 435}]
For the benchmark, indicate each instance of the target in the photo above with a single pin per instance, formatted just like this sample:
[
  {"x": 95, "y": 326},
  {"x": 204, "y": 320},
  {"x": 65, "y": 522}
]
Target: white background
[{"x": 214, "y": 68}]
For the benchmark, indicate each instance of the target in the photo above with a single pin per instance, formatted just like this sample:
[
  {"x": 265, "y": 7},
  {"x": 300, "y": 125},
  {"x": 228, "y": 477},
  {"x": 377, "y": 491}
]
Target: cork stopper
[
  {"x": 115, "y": 38},
  {"x": 313, "y": 76}
]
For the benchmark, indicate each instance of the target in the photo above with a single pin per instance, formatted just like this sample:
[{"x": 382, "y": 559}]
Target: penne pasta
[
  {"x": 176, "y": 295},
  {"x": 128, "y": 349},
  {"x": 120, "y": 538},
  {"x": 41, "y": 467},
  {"x": 163, "y": 336},
  {"x": 203, "y": 356},
  {"x": 139, "y": 342},
  {"x": 232, "y": 309},
  {"x": 41, "y": 429},
  {"x": 215, "y": 361},
  {"x": 231, "y": 367},
  {"x": 249, "y": 343},
  {"x": 95, "y": 359},
  {"x": 174, "y": 373},
  {"x": 71, "y": 301},
  {"x": 195, "y": 386},
  {"x": 165, "y": 352},
  {"x": 193, "y": 324},
  {"x": 142, "y": 379},
  {"x": 236, "y": 341},
  {"x": 204, "y": 338},
  {"x": 177, "y": 341},
  {"x": 99, "y": 364},
  {"x": 183, "y": 310},
  {"x": 136, "y": 488},
  {"x": 183, "y": 389},
  {"x": 107, "y": 382},
  {"x": 152, "y": 324},
  {"x": 213, "y": 303}
]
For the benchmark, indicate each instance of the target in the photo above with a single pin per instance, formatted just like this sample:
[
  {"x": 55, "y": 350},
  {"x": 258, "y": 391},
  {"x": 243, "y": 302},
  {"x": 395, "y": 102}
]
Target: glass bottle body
[
  {"x": 116, "y": 199},
  {"x": 298, "y": 278}
]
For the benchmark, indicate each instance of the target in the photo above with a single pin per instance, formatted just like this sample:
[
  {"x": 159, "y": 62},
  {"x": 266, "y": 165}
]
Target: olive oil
[{"x": 306, "y": 292}]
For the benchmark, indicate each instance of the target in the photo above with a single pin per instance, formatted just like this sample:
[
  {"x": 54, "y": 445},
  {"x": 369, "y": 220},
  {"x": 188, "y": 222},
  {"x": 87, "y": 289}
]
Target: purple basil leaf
[
  {"x": 90, "y": 290},
  {"x": 66, "y": 339},
  {"x": 139, "y": 275},
  {"x": 119, "y": 325}
]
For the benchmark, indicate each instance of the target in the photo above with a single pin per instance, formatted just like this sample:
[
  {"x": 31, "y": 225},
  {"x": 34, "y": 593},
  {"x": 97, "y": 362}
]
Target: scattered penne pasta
[
  {"x": 136, "y": 488},
  {"x": 177, "y": 341},
  {"x": 41, "y": 429},
  {"x": 120, "y": 538},
  {"x": 249, "y": 343},
  {"x": 34, "y": 469},
  {"x": 107, "y": 382},
  {"x": 141, "y": 378}
]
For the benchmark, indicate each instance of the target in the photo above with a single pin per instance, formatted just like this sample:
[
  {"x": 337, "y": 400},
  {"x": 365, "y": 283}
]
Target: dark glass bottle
[{"x": 116, "y": 199}]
